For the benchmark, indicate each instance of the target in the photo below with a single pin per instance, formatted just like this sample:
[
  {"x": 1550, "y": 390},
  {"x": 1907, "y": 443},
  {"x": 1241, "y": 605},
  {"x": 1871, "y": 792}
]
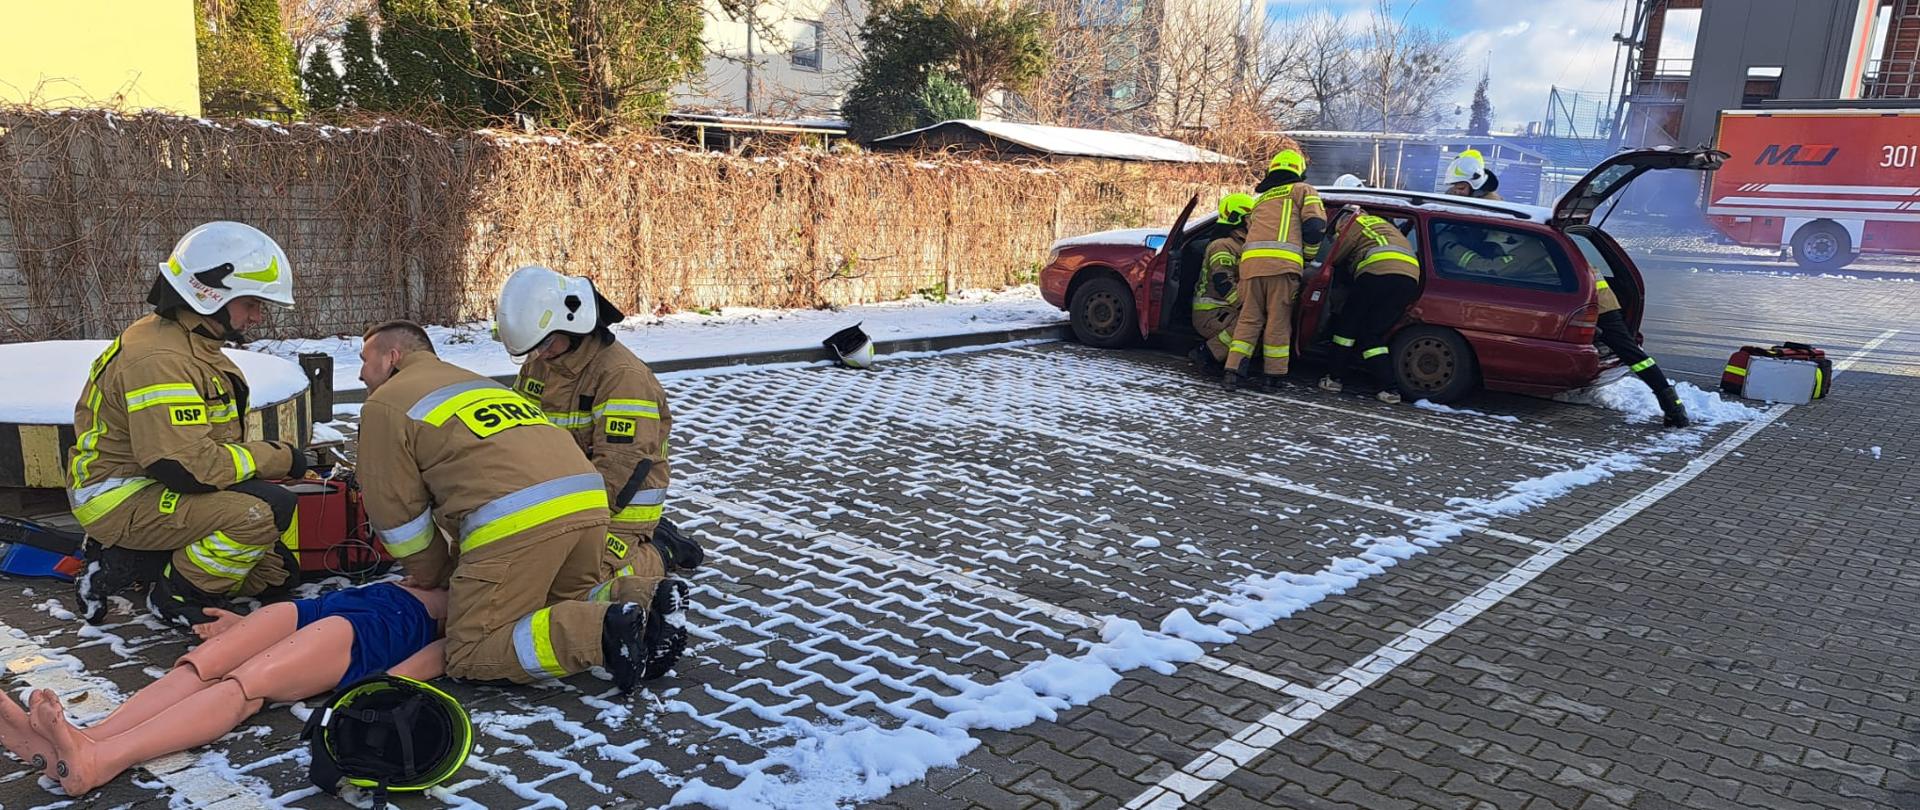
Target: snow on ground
[
  {"x": 1630, "y": 396},
  {"x": 730, "y": 331},
  {"x": 45, "y": 378},
  {"x": 1429, "y": 405},
  {"x": 859, "y": 672}
]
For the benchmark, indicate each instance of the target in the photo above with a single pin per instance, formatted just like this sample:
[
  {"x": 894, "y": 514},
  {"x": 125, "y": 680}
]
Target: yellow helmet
[
  {"x": 1235, "y": 207},
  {"x": 1289, "y": 160}
]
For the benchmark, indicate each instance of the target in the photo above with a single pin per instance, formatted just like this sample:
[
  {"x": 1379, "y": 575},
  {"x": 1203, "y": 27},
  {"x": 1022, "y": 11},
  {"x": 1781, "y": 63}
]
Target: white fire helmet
[
  {"x": 1349, "y": 181},
  {"x": 1469, "y": 168},
  {"x": 537, "y": 302},
  {"x": 220, "y": 261}
]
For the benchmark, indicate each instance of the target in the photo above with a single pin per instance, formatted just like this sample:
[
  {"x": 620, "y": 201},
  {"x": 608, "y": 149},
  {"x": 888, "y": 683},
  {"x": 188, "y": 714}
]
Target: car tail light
[{"x": 1585, "y": 325}]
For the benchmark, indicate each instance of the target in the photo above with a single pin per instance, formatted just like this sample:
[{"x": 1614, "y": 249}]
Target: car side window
[
  {"x": 1490, "y": 254},
  {"x": 1596, "y": 258}
]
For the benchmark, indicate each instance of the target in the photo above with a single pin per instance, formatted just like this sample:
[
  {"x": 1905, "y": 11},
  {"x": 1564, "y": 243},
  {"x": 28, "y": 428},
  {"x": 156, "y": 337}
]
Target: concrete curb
[{"x": 817, "y": 353}]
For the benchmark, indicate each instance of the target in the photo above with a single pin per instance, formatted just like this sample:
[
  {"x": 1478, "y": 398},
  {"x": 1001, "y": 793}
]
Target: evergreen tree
[
  {"x": 325, "y": 91},
  {"x": 427, "y": 47},
  {"x": 943, "y": 99},
  {"x": 1480, "y": 121},
  {"x": 367, "y": 85},
  {"x": 917, "y": 50},
  {"x": 247, "y": 65}
]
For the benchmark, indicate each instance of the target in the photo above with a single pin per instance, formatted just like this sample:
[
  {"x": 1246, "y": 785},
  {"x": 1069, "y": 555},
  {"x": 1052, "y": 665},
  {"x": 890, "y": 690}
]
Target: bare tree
[
  {"x": 1318, "y": 59},
  {"x": 1098, "y": 76},
  {"x": 1408, "y": 69},
  {"x": 310, "y": 23}
]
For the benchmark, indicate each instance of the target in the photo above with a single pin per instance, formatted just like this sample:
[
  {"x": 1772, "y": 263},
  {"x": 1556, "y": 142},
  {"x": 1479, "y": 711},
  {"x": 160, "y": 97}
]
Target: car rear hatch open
[{"x": 1576, "y": 207}]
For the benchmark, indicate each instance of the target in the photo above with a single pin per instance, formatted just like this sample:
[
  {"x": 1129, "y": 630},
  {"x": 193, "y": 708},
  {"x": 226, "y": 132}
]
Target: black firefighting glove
[{"x": 1222, "y": 284}]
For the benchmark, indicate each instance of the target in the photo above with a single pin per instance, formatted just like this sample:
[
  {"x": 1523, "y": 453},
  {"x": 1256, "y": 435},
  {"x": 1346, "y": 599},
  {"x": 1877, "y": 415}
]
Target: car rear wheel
[
  {"x": 1823, "y": 246},
  {"x": 1434, "y": 364},
  {"x": 1103, "y": 313}
]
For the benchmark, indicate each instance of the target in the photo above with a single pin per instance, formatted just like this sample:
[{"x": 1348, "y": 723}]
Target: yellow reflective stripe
[
  {"x": 1208, "y": 304},
  {"x": 637, "y": 514},
  {"x": 163, "y": 394},
  {"x": 1736, "y": 370},
  {"x": 1641, "y": 366},
  {"x": 533, "y": 645},
  {"x": 1240, "y": 347},
  {"x": 1275, "y": 351},
  {"x": 1342, "y": 341},
  {"x": 644, "y": 408},
  {"x": 445, "y": 410},
  {"x": 1387, "y": 255},
  {"x": 1600, "y": 284},
  {"x": 538, "y": 514},
  {"x": 243, "y": 466},
  {"x": 409, "y": 538},
  {"x": 1223, "y": 259},
  {"x": 99, "y": 505},
  {"x": 87, "y": 447},
  {"x": 221, "y": 556},
  {"x": 224, "y": 413},
  {"x": 1373, "y": 352},
  {"x": 1225, "y": 337},
  {"x": 1819, "y": 383},
  {"x": 603, "y": 592},
  {"x": 571, "y": 420},
  {"x": 1270, "y": 253},
  {"x": 1314, "y": 199}
]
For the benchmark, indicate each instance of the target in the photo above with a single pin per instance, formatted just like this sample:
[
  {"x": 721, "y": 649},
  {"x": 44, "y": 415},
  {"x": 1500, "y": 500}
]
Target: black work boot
[
  {"x": 107, "y": 573},
  {"x": 176, "y": 602},
  {"x": 669, "y": 597},
  {"x": 677, "y": 550},
  {"x": 623, "y": 644},
  {"x": 664, "y": 643},
  {"x": 1231, "y": 380},
  {"x": 1200, "y": 357},
  {"x": 1675, "y": 410}
]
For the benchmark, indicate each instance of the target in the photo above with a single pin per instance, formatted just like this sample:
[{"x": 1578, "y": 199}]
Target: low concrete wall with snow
[{"x": 397, "y": 221}]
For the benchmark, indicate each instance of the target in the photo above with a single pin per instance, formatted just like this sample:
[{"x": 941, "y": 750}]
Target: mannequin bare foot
[
  {"x": 17, "y": 734},
  {"x": 74, "y": 764}
]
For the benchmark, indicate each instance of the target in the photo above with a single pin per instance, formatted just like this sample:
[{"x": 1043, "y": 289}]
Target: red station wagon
[{"x": 1527, "y": 328}]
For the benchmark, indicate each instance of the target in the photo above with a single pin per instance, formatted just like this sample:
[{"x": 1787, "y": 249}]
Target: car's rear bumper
[{"x": 1534, "y": 366}]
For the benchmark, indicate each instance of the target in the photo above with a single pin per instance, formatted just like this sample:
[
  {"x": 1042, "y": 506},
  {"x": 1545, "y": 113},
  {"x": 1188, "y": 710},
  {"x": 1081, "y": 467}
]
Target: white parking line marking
[
  {"x": 193, "y": 786},
  {"x": 1274, "y": 481},
  {"x": 1207, "y": 770}
]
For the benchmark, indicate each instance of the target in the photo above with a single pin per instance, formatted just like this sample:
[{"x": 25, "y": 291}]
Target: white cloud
[{"x": 1529, "y": 49}]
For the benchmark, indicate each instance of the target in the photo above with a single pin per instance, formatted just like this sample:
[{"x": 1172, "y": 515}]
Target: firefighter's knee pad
[{"x": 281, "y": 500}]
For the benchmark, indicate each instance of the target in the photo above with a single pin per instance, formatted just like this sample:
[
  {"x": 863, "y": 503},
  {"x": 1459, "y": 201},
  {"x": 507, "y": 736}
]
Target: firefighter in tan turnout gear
[
  {"x": 1379, "y": 262},
  {"x": 1468, "y": 176},
  {"x": 601, "y": 393},
  {"x": 1216, "y": 298},
  {"x": 1284, "y": 230},
  {"x": 159, "y": 474},
  {"x": 472, "y": 489}
]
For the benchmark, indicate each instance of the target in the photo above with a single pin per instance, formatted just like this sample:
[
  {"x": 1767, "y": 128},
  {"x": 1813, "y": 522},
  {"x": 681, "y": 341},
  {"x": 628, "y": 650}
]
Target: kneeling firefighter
[
  {"x": 159, "y": 474},
  {"x": 1216, "y": 298},
  {"x": 560, "y": 328}
]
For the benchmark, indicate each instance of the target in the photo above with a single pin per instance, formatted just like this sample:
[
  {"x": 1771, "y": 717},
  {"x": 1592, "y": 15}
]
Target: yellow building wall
[{"x": 125, "y": 54}]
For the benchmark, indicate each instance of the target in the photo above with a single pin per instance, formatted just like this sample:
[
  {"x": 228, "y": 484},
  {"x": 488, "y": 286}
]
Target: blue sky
[{"x": 1529, "y": 45}]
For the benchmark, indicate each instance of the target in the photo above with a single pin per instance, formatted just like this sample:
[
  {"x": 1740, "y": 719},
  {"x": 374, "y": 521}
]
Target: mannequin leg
[
  {"x": 204, "y": 666},
  {"x": 308, "y": 663},
  {"x": 18, "y": 736}
]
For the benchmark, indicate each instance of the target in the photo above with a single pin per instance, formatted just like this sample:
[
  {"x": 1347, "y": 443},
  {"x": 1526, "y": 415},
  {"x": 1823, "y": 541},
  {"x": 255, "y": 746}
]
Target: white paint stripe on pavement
[
  {"x": 1272, "y": 481},
  {"x": 193, "y": 786},
  {"x": 1207, "y": 770}
]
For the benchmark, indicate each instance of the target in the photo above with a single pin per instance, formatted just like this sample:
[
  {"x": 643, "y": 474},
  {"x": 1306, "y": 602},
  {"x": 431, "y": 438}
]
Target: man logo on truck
[{"x": 1773, "y": 155}]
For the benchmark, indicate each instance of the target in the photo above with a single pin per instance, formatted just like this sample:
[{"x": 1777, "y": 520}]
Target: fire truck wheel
[{"x": 1823, "y": 245}]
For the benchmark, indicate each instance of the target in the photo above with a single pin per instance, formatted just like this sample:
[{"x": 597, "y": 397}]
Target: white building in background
[{"x": 784, "y": 58}]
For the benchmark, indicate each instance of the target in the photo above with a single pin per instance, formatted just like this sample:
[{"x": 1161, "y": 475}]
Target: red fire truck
[{"x": 1830, "y": 184}]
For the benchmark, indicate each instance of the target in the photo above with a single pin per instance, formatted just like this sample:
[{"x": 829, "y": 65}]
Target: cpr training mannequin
[{"x": 283, "y": 652}]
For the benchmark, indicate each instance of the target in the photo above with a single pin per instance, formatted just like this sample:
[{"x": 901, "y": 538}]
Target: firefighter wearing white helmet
[
  {"x": 559, "y": 328},
  {"x": 160, "y": 474},
  {"x": 1468, "y": 176}
]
